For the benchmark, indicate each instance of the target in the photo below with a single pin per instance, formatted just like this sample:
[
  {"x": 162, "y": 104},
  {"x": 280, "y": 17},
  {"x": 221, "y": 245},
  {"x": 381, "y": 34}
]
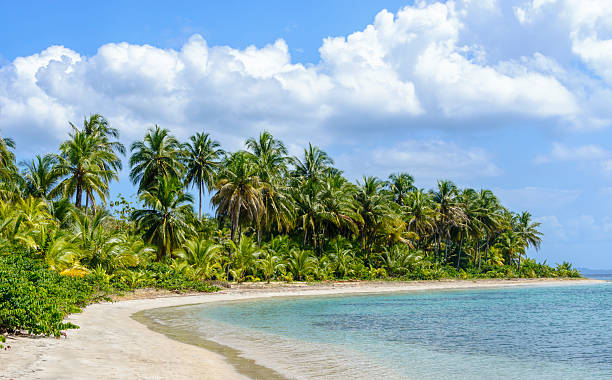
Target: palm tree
[
  {"x": 400, "y": 185},
  {"x": 84, "y": 167},
  {"x": 270, "y": 158},
  {"x": 309, "y": 211},
  {"x": 7, "y": 157},
  {"x": 158, "y": 155},
  {"x": 491, "y": 220},
  {"x": 300, "y": 263},
  {"x": 202, "y": 254},
  {"x": 269, "y": 264},
  {"x": 314, "y": 164},
  {"x": 244, "y": 257},
  {"x": 420, "y": 214},
  {"x": 239, "y": 192},
  {"x": 100, "y": 129},
  {"x": 40, "y": 176},
  {"x": 372, "y": 209},
  {"x": 202, "y": 158},
  {"x": 164, "y": 221},
  {"x": 448, "y": 212},
  {"x": 511, "y": 244},
  {"x": 529, "y": 232},
  {"x": 10, "y": 180},
  {"x": 97, "y": 126}
]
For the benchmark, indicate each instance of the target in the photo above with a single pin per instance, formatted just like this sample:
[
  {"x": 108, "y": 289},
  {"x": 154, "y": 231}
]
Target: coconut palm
[
  {"x": 420, "y": 214},
  {"x": 7, "y": 157},
  {"x": 202, "y": 254},
  {"x": 270, "y": 157},
  {"x": 82, "y": 165},
  {"x": 164, "y": 221},
  {"x": 300, "y": 263},
  {"x": 400, "y": 185},
  {"x": 158, "y": 155},
  {"x": 314, "y": 164},
  {"x": 270, "y": 263},
  {"x": 202, "y": 161},
  {"x": 238, "y": 193},
  {"x": 270, "y": 160},
  {"x": 448, "y": 211},
  {"x": 372, "y": 209},
  {"x": 244, "y": 255},
  {"x": 528, "y": 231},
  {"x": 40, "y": 176}
]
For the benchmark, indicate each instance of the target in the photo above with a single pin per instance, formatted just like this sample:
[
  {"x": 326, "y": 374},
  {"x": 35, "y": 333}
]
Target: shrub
[{"x": 36, "y": 299}]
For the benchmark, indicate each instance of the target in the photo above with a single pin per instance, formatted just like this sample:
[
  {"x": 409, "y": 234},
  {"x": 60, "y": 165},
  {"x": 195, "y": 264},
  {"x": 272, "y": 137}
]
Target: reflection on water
[{"x": 544, "y": 332}]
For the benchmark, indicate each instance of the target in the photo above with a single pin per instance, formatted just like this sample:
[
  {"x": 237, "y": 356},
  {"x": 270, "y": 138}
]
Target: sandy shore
[{"x": 111, "y": 344}]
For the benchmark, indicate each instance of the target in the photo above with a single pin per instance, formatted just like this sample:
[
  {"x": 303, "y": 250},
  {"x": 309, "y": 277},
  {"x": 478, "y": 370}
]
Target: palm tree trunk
[
  {"x": 459, "y": 254},
  {"x": 200, "y": 201},
  {"x": 79, "y": 194},
  {"x": 259, "y": 234}
]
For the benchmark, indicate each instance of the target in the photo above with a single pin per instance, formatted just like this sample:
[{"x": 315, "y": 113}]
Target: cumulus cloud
[
  {"x": 426, "y": 160},
  {"x": 405, "y": 71},
  {"x": 588, "y": 23}
]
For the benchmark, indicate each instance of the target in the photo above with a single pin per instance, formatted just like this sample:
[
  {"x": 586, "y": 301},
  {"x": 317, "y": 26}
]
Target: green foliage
[
  {"x": 36, "y": 299},
  {"x": 169, "y": 277}
]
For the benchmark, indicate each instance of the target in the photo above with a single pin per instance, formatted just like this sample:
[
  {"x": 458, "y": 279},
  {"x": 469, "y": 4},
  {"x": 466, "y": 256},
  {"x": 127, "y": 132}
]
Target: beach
[{"x": 112, "y": 344}]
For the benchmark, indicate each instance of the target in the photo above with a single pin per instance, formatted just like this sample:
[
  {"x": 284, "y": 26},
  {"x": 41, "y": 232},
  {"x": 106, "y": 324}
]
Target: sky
[{"x": 513, "y": 96}]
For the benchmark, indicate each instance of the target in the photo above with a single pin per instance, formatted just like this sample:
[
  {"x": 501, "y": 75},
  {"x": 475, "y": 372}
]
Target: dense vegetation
[{"x": 277, "y": 218}]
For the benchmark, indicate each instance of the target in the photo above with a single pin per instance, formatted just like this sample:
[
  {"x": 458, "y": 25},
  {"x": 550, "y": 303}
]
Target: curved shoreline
[{"x": 112, "y": 344}]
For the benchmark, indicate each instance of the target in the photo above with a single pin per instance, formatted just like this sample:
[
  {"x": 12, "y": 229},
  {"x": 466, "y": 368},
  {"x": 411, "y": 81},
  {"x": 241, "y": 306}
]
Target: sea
[{"x": 542, "y": 332}]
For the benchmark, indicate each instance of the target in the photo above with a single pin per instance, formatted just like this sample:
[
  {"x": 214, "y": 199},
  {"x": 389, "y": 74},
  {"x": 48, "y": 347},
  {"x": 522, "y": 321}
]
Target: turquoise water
[{"x": 521, "y": 333}]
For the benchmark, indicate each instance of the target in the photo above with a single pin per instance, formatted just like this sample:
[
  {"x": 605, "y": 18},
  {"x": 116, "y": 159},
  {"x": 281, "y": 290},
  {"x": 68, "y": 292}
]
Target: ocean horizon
[{"x": 536, "y": 332}]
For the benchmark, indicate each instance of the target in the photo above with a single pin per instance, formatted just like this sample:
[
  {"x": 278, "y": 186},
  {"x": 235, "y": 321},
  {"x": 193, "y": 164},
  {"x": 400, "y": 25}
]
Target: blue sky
[{"x": 511, "y": 96}]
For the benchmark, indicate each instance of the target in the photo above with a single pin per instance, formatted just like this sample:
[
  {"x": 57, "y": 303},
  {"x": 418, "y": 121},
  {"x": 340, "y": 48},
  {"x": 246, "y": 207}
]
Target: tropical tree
[
  {"x": 40, "y": 176},
  {"x": 83, "y": 167},
  {"x": 314, "y": 164},
  {"x": 528, "y": 231},
  {"x": 420, "y": 214},
  {"x": 158, "y": 155},
  {"x": 164, "y": 221},
  {"x": 300, "y": 263},
  {"x": 202, "y": 161},
  {"x": 202, "y": 254},
  {"x": 238, "y": 193},
  {"x": 448, "y": 211},
  {"x": 270, "y": 160},
  {"x": 372, "y": 209},
  {"x": 243, "y": 258},
  {"x": 400, "y": 185},
  {"x": 270, "y": 263}
]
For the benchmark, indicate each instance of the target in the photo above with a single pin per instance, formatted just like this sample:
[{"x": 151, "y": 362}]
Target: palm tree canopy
[{"x": 158, "y": 155}]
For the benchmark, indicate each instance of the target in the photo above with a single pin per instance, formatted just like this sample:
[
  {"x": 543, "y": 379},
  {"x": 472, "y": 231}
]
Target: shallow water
[{"x": 539, "y": 332}]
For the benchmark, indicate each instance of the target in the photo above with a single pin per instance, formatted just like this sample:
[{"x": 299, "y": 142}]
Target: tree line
[{"x": 276, "y": 216}]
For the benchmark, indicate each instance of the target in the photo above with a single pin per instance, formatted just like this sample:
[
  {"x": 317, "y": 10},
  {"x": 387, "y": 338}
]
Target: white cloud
[
  {"x": 426, "y": 160},
  {"x": 406, "y": 70},
  {"x": 561, "y": 152}
]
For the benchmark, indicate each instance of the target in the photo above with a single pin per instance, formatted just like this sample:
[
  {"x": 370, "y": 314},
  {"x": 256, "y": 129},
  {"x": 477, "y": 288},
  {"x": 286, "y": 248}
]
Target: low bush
[{"x": 35, "y": 299}]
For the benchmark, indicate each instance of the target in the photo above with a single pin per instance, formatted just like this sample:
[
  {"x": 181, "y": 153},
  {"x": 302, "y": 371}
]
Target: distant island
[{"x": 65, "y": 244}]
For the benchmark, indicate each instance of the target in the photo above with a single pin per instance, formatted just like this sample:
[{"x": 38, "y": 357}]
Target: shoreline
[{"x": 111, "y": 343}]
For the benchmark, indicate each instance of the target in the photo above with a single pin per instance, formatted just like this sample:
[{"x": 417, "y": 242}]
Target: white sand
[{"x": 112, "y": 345}]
